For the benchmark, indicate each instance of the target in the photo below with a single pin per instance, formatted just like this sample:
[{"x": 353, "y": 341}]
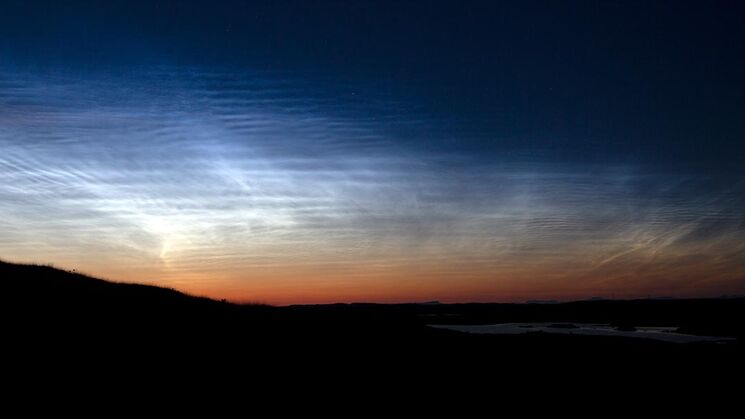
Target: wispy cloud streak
[{"x": 237, "y": 185}]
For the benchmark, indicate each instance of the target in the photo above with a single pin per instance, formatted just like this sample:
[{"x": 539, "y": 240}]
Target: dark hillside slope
[{"x": 65, "y": 318}]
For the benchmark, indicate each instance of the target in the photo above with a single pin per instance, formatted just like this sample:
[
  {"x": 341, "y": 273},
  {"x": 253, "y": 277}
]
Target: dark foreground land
[{"x": 57, "y": 319}]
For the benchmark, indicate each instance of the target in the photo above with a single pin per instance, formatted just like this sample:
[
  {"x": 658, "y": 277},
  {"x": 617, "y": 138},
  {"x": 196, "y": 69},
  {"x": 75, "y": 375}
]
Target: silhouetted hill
[
  {"x": 60, "y": 316},
  {"x": 49, "y": 285},
  {"x": 44, "y": 296}
]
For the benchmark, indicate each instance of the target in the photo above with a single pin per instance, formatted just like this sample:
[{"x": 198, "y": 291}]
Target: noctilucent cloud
[{"x": 292, "y": 152}]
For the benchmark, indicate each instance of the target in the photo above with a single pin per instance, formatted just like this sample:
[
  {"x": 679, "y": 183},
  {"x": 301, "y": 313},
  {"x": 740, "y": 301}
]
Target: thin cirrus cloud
[{"x": 250, "y": 188}]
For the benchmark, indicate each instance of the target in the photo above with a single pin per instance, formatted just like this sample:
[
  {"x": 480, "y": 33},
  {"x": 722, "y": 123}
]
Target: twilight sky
[{"x": 305, "y": 152}]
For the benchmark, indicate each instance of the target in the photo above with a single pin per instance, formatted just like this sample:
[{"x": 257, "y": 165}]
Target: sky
[{"x": 291, "y": 152}]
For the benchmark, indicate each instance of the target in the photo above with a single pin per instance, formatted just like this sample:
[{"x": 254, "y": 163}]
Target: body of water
[{"x": 667, "y": 334}]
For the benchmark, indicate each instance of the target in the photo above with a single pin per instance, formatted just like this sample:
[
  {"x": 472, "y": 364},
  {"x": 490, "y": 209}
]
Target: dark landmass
[
  {"x": 58, "y": 318},
  {"x": 562, "y": 326}
]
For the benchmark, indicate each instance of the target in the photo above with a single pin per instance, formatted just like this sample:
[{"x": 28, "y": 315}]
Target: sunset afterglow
[{"x": 236, "y": 170}]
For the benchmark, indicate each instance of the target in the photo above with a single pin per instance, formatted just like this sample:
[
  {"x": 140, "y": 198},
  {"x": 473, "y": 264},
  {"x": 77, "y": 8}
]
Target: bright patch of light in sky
[{"x": 246, "y": 187}]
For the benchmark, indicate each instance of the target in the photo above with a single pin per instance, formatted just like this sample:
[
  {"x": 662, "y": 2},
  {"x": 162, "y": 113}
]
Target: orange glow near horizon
[
  {"x": 631, "y": 275},
  {"x": 253, "y": 188}
]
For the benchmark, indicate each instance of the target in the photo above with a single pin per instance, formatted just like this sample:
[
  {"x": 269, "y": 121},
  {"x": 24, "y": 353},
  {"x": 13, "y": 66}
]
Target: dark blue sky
[
  {"x": 515, "y": 149},
  {"x": 642, "y": 82}
]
